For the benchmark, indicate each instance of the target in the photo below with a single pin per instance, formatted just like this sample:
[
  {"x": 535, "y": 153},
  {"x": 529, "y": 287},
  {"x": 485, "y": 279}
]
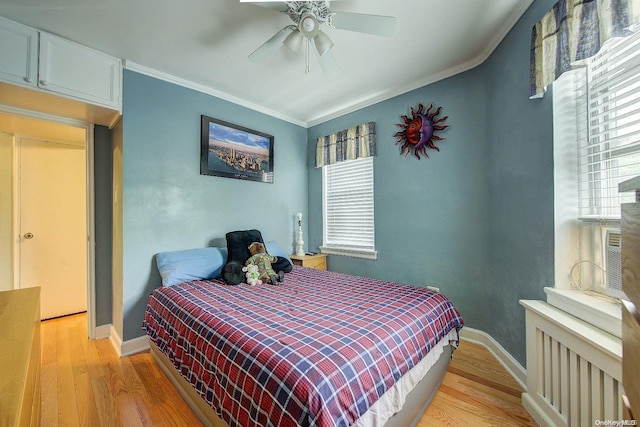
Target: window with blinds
[
  {"x": 608, "y": 127},
  {"x": 348, "y": 208},
  {"x": 596, "y": 110}
]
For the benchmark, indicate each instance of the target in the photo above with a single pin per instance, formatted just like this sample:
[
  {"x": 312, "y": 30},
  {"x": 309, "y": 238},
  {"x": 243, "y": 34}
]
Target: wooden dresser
[
  {"x": 20, "y": 357},
  {"x": 317, "y": 261},
  {"x": 631, "y": 286}
]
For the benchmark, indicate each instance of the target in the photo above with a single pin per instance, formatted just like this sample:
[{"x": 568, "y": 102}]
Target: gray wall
[
  {"x": 103, "y": 236},
  {"x": 168, "y": 205},
  {"x": 476, "y": 218}
]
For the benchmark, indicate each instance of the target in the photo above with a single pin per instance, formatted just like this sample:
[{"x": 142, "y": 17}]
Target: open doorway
[
  {"x": 58, "y": 153},
  {"x": 51, "y": 218}
]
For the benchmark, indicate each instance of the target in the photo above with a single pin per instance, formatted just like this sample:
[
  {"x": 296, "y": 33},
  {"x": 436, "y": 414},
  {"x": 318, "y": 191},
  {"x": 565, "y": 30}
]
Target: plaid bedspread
[{"x": 317, "y": 350}]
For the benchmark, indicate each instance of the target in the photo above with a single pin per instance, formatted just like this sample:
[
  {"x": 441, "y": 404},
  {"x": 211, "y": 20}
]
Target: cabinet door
[
  {"x": 79, "y": 72},
  {"x": 18, "y": 53}
]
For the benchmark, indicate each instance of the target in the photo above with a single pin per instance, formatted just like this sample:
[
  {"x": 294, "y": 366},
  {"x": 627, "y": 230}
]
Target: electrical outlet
[{"x": 433, "y": 288}]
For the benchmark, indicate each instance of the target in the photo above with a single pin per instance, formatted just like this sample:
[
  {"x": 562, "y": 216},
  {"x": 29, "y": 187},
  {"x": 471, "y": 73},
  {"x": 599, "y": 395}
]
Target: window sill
[
  {"x": 356, "y": 253},
  {"x": 603, "y": 314}
]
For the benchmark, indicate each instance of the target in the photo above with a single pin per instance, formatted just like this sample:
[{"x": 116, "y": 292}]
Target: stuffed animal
[
  {"x": 263, "y": 260},
  {"x": 253, "y": 277}
]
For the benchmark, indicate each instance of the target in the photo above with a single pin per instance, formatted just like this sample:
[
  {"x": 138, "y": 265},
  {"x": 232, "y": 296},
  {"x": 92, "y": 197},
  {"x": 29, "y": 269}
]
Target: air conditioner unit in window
[{"x": 613, "y": 263}]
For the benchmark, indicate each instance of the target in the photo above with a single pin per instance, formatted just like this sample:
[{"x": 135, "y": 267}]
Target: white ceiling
[{"x": 206, "y": 42}]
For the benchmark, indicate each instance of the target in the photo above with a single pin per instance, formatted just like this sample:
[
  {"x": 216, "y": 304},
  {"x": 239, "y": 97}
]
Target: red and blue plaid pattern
[{"x": 318, "y": 350}]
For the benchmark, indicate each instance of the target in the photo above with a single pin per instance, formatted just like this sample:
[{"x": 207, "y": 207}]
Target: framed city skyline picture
[{"x": 233, "y": 151}]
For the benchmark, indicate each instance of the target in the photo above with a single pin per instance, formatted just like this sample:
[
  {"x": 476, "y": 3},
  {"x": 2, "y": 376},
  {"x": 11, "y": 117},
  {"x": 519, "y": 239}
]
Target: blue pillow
[
  {"x": 274, "y": 249},
  {"x": 190, "y": 264}
]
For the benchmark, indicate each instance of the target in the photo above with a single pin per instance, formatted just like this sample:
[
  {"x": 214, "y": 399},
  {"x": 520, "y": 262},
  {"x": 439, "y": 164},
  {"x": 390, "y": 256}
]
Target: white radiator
[{"x": 574, "y": 370}]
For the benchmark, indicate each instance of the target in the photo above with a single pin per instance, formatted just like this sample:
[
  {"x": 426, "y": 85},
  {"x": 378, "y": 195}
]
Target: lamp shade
[
  {"x": 293, "y": 41},
  {"x": 323, "y": 43}
]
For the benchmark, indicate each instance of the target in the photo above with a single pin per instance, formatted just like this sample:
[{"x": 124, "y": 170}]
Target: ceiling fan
[{"x": 308, "y": 17}]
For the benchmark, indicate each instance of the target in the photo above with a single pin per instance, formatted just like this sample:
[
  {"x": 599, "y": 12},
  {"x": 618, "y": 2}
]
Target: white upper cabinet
[
  {"x": 36, "y": 59},
  {"x": 18, "y": 53},
  {"x": 75, "y": 70}
]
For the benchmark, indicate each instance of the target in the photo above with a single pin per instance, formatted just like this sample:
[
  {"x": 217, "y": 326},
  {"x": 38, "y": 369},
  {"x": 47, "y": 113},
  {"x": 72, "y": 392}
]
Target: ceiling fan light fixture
[
  {"x": 308, "y": 17},
  {"x": 323, "y": 43},
  {"x": 293, "y": 41},
  {"x": 309, "y": 25}
]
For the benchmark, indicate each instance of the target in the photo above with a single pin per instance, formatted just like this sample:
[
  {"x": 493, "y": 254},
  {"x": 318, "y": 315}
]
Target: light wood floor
[{"x": 84, "y": 383}]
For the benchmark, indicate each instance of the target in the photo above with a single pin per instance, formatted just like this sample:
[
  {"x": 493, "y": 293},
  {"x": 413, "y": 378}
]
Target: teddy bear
[
  {"x": 252, "y": 274},
  {"x": 263, "y": 260}
]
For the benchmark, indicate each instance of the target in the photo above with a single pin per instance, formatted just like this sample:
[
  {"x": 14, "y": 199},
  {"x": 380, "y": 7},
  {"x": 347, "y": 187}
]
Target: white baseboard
[
  {"x": 102, "y": 332},
  {"x": 134, "y": 346},
  {"x": 116, "y": 341},
  {"x": 513, "y": 367},
  {"x": 536, "y": 412},
  {"x": 129, "y": 347}
]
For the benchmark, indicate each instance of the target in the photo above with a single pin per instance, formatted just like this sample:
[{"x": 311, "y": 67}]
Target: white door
[{"x": 53, "y": 225}]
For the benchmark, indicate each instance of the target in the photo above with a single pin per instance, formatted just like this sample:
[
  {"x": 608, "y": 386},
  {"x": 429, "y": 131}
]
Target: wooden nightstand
[{"x": 317, "y": 261}]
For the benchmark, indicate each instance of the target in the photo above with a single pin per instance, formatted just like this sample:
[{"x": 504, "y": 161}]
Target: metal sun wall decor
[{"x": 419, "y": 130}]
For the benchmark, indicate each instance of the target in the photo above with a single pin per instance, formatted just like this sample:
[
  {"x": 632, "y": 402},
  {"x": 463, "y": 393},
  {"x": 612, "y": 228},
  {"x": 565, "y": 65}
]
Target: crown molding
[
  {"x": 365, "y": 101},
  {"x": 450, "y": 72},
  {"x": 160, "y": 75}
]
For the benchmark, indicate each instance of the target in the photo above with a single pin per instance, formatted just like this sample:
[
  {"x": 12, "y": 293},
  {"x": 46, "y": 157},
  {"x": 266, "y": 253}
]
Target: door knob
[{"x": 28, "y": 235}]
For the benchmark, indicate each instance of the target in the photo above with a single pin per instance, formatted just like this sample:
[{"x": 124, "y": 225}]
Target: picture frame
[{"x": 233, "y": 151}]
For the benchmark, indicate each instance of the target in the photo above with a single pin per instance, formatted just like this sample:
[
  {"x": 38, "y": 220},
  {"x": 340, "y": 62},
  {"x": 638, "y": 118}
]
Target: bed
[{"x": 322, "y": 349}]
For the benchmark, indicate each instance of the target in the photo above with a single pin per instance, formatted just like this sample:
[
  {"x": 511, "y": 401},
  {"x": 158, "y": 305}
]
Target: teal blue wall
[
  {"x": 475, "y": 219},
  {"x": 428, "y": 212},
  {"x": 520, "y": 172},
  {"x": 168, "y": 205}
]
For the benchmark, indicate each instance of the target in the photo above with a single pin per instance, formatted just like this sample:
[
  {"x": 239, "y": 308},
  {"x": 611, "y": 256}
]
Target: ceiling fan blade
[
  {"x": 328, "y": 64},
  {"x": 371, "y": 24},
  {"x": 272, "y": 45},
  {"x": 280, "y": 6}
]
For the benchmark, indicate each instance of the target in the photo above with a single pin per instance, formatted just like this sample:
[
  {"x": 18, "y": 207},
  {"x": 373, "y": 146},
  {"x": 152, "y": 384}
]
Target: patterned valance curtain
[
  {"x": 574, "y": 30},
  {"x": 348, "y": 144}
]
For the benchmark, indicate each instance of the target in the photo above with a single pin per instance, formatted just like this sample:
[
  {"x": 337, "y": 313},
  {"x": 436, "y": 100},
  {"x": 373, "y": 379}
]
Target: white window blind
[
  {"x": 608, "y": 106},
  {"x": 348, "y": 208}
]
